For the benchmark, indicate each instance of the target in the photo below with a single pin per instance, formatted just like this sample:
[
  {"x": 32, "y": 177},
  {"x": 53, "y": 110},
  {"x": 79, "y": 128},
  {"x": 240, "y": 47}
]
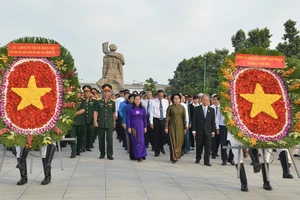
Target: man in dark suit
[{"x": 203, "y": 127}]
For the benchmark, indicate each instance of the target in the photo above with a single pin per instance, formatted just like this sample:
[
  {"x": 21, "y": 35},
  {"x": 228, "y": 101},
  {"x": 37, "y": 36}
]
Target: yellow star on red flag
[
  {"x": 261, "y": 102},
  {"x": 31, "y": 95}
]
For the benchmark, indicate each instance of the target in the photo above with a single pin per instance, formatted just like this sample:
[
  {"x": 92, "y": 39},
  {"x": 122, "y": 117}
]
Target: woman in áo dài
[
  {"x": 175, "y": 127},
  {"x": 137, "y": 127}
]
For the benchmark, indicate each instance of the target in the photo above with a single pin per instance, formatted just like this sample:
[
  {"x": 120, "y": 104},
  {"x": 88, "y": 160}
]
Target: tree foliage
[
  {"x": 291, "y": 45},
  {"x": 256, "y": 38},
  {"x": 150, "y": 86},
  {"x": 189, "y": 74}
]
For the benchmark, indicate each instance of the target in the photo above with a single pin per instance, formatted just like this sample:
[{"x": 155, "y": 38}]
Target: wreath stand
[
  {"x": 263, "y": 157},
  {"x": 31, "y": 157}
]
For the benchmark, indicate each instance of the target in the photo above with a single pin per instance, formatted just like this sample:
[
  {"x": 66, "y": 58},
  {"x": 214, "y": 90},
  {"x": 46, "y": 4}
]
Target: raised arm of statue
[
  {"x": 105, "y": 66},
  {"x": 105, "y": 48}
]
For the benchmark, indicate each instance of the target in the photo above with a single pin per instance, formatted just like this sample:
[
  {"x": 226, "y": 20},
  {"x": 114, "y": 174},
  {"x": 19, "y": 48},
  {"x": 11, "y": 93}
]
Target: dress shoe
[
  {"x": 217, "y": 155},
  {"x": 174, "y": 161},
  {"x": 140, "y": 160},
  {"x": 156, "y": 154},
  {"x": 224, "y": 163},
  {"x": 101, "y": 157},
  {"x": 208, "y": 164},
  {"x": 163, "y": 151},
  {"x": 296, "y": 155},
  {"x": 73, "y": 155},
  {"x": 78, "y": 153},
  {"x": 92, "y": 146},
  {"x": 110, "y": 158},
  {"x": 88, "y": 149},
  {"x": 197, "y": 161},
  {"x": 232, "y": 162},
  {"x": 213, "y": 157}
]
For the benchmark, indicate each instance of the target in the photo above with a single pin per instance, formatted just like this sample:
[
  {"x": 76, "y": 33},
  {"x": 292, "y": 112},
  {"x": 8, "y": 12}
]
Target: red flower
[{"x": 31, "y": 117}]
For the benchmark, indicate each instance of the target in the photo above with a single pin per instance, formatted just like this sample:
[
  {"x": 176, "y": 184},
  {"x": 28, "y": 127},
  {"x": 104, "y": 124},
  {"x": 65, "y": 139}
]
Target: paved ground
[{"x": 87, "y": 177}]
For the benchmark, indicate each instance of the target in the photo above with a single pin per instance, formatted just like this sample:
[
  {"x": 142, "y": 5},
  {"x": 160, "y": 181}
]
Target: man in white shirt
[
  {"x": 186, "y": 136},
  {"x": 148, "y": 107},
  {"x": 221, "y": 131},
  {"x": 118, "y": 119},
  {"x": 157, "y": 122}
]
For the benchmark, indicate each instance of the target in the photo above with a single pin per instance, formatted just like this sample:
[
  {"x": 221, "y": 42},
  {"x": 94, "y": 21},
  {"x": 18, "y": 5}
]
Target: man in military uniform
[
  {"x": 78, "y": 128},
  {"x": 89, "y": 114},
  {"x": 104, "y": 121},
  {"x": 96, "y": 98}
]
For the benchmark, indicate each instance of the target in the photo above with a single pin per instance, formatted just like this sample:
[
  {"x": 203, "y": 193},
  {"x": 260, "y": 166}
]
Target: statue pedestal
[{"x": 116, "y": 85}]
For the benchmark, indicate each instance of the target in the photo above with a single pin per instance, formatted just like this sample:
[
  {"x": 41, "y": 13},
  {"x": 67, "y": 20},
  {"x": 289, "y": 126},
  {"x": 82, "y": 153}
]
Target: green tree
[
  {"x": 238, "y": 40},
  {"x": 291, "y": 45},
  {"x": 256, "y": 38},
  {"x": 259, "y": 38},
  {"x": 188, "y": 76},
  {"x": 150, "y": 86}
]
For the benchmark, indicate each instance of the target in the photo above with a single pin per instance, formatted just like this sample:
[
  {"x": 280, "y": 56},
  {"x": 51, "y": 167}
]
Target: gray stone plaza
[{"x": 87, "y": 177}]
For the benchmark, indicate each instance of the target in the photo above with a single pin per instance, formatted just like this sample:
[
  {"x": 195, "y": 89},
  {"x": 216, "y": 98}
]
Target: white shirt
[
  {"x": 196, "y": 105},
  {"x": 155, "y": 112},
  {"x": 145, "y": 105},
  {"x": 186, "y": 113},
  {"x": 219, "y": 117},
  {"x": 117, "y": 103}
]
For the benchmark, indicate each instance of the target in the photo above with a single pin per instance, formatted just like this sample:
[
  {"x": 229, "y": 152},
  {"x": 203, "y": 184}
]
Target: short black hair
[
  {"x": 174, "y": 95},
  {"x": 196, "y": 97},
  {"x": 160, "y": 91},
  {"x": 189, "y": 96},
  {"x": 217, "y": 96}
]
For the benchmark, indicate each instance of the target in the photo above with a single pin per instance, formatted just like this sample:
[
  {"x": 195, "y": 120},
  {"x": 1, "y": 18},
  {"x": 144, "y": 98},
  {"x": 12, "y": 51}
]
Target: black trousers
[
  {"x": 119, "y": 127},
  {"x": 148, "y": 135},
  {"x": 203, "y": 141},
  {"x": 89, "y": 128},
  {"x": 225, "y": 142},
  {"x": 159, "y": 135},
  {"x": 192, "y": 139},
  {"x": 215, "y": 143}
]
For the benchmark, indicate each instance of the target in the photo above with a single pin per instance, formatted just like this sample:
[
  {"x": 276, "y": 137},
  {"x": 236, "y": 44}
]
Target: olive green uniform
[
  {"x": 89, "y": 107},
  {"x": 78, "y": 128},
  {"x": 105, "y": 121}
]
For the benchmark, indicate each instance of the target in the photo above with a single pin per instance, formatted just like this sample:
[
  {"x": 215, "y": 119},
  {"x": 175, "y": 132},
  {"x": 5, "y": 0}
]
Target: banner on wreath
[
  {"x": 33, "y": 50},
  {"x": 249, "y": 60}
]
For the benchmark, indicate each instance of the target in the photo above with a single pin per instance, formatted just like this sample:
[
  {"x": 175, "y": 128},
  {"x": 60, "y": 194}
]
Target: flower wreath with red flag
[
  {"x": 35, "y": 95},
  {"x": 261, "y": 106}
]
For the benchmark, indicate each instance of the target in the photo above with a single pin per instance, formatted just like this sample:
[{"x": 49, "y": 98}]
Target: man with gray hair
[
  {"x": 147, "y": 104},
  {"x": 203, "y": 128}
]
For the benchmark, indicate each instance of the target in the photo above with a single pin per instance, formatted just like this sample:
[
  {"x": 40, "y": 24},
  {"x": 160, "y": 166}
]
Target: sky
[{"x": 153, "y": 35}]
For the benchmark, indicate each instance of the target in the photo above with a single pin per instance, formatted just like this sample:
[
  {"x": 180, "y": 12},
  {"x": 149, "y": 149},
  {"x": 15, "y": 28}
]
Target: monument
[{"x": 112, "y": 71}]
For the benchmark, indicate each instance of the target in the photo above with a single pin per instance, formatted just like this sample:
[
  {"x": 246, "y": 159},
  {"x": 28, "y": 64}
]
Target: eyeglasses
[{"x": 106, "y": 90}]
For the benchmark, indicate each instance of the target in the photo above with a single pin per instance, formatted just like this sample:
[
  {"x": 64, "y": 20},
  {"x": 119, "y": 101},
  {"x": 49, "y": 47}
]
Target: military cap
[
  {"x": 107, "y": 87},
  {"x": 86, "y": 87}
]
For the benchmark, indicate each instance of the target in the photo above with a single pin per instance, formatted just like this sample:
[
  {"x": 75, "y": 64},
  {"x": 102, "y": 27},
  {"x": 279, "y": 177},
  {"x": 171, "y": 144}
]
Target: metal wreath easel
[
  {"x": 31, "y": 159},
  {"x": 263, "y": 157}
]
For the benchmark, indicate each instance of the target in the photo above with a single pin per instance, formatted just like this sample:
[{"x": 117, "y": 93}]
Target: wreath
[
  {"x": 38, "y": 96},
  {"x": 261, "y": 106}
]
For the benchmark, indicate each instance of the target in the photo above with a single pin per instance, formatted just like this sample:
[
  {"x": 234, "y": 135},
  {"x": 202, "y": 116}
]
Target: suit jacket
[{"x": 202, "y": 125}]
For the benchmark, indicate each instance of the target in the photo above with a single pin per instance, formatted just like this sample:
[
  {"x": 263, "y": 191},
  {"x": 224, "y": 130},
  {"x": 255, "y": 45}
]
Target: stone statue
[{"x": 112, "y": 71}]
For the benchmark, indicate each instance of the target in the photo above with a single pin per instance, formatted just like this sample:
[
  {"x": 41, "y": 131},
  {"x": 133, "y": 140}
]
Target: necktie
[
  {"x": 161, "y": 116},
  {"x": 148, "y": 111},
  {"x": 217, "y": 110},
  {"x": 204, "y": 111}
]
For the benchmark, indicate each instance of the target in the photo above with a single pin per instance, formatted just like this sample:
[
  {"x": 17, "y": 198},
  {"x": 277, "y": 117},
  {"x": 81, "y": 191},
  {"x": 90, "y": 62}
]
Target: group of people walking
[{"x": 145, "y": 120}]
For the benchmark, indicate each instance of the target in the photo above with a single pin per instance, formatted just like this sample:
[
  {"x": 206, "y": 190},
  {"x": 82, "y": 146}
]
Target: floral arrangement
[
  {"x": 261, "y": 106},
  {"x": 38, "y": 97}
]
